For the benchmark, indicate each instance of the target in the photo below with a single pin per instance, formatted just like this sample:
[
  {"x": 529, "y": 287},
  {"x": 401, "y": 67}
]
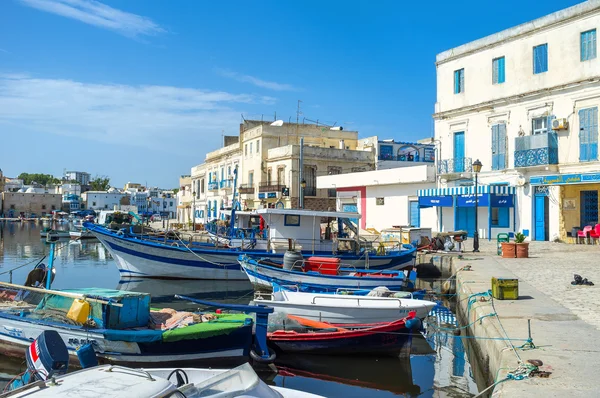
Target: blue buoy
[{"x": 87, "y": 356}]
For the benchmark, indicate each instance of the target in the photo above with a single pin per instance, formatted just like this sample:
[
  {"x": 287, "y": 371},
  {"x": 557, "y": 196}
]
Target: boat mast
[{"x": 233, "y": 201}]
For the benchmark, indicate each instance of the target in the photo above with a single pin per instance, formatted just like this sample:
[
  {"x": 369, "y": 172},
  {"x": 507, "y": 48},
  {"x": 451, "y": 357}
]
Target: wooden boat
[
  {"x": 318, "y": 274},
  {"x": 343, "y": 308},
  {"x": 297, "y": 334},
  {"x": 81, "y": 234},
  {"x": 123, "y": 330},
  {"x": 144, "y": 256},
  {"x": 58, "y": 233}
]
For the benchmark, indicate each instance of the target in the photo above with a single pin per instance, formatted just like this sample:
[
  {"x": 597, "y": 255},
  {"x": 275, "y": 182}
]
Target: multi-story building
[
  {"x": 524, "y": 102},
  {"x": 185, "y": 200},
  {"x": 266, "y": 156},
  {"x": 30, "y": 204},
  {"x": 81, "y": 177},
  {"x": 104, "y": 200}
]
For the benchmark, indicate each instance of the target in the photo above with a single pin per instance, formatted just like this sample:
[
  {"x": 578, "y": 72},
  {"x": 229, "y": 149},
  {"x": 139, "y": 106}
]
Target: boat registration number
[{"x": 14, "y": 332}]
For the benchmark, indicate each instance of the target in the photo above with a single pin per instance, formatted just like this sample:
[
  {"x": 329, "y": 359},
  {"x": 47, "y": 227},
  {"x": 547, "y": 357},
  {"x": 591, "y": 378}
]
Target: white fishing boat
[
  {"x": 344, "y": 308},
  {"x": 59, "y": 234},
  {"x": 81, "y": 234}
]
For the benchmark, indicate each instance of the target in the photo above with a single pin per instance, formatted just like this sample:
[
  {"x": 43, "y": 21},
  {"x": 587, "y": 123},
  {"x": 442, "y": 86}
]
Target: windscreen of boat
[{"x": 235, "y": 382}]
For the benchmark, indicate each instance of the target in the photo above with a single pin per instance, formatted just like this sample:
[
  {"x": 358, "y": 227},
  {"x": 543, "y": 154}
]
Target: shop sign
[{"x": 565, "y": 179}]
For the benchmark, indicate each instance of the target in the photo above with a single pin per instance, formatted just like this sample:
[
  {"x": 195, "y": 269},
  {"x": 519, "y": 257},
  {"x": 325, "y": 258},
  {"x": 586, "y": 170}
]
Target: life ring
[
  {"x": 175, "y": 244},
  {"x": 257, "y": 358},
  {"x": 120, "y": 233}
]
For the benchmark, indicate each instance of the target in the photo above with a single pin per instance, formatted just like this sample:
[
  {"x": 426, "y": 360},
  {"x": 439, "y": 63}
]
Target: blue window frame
[
  {"x": 415, "y": 214},
  {"x": 499, "y": 146},
  {"x": 501, "y": 217},
  {"x": 540, "y": 58},
  {"x": 498, "y": 70},
  {"x": 291, "y": 220},
  {"x": 588, "y": 134},
  {"x": 588, "y": 45},
  {"x": 459, "y": 81},
  {"x": 386, "y": 152}
]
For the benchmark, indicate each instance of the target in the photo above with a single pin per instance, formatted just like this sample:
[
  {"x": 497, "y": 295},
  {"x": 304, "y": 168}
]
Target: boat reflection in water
[{"x": 163, "y": 291}]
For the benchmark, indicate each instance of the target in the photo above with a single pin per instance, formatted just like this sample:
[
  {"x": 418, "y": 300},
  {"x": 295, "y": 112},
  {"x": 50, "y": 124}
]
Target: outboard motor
[{"x": 46, "y": 357}]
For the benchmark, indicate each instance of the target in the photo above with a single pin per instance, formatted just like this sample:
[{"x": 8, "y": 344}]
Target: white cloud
[
  {"x": 255, "y": 80},
  {"x": 143, "y": 116},
  {"x": 95, "y": 13}
]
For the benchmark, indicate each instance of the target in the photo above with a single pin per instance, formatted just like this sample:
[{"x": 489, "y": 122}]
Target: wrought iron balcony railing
[
  {"x": 536, "y": 150},
  {"x": 246, "y": 189},
  {"x": 455, "y": 165},
  {"x": 272, "y": 186},
  {"x": 212, "y": 186}
]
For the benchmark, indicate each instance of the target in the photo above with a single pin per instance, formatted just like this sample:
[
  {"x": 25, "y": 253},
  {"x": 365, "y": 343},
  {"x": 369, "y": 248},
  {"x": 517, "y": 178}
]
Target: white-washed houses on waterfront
[
  {"x": 104, "y": 200},
  {"x": 524, "y": 102}
]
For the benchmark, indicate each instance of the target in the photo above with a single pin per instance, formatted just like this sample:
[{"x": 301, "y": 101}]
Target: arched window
[{"x": 408, "y": 153}]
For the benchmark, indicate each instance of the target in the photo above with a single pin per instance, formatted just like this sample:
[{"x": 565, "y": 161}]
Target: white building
[
  {"x": 104, "y": 200},
  {"x": 391, "y": 154},
  {"x": 185, "y": 200},
  {"x": 384, "y": 198},
  {"x": 524, "y": 102},
  {"x": 81, "y": 177}
]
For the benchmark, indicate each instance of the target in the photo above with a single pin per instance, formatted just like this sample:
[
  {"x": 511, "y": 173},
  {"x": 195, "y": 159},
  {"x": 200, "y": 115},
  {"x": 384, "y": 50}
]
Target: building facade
[
  {"x": 185, "y": 200},
  {"x": 391, "y": 154},
  {"x": 524, "y": 102},
  {"x": 104, "y": 200},
  {"x": 81, "y": 177},
  {"x": 27, "y": 204}
]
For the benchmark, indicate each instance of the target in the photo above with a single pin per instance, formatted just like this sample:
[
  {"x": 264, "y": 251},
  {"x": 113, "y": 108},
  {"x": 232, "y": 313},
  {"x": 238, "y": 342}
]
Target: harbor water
[{"x": 438, "y": 366}]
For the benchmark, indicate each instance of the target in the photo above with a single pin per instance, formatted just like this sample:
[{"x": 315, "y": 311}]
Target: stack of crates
[{"x": 505, "y": 289}]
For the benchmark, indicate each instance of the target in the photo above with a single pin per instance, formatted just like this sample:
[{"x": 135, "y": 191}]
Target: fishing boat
[
  {"x": 123, "y": 329},
  {"x": 297, "y": 334},
  {"x": 48, "y": 362},
  {"x": 58, "y": 233},
  {"x": 299, "y": 230},
  {"x": 343, "y": 308},
  {"x": 81, "y": 234},
  {"x": 320, "y": 274}
]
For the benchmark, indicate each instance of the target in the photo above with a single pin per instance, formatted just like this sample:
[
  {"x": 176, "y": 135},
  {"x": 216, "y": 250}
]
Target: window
[
  {"x": 540, "y": 58},
  {"x": 588, "y": 45},
  {"x": 380, "y": 201},
  {"x": 251, "y": 178},
  {"x": 171, "y": 203},
  {"x": 43, "y": 207},
  {"x": 291, "y": 220},
  {"x": 280, "y": 176},
  {"x": 310, "y": 176},
  {"x": 246, "y": 150},
  {"x": 257, "y": 146},
  {"x": 93, "y": 203},
  {"x": 498, "y": 70},
  {"x": 250, "y": 148},
  {"x": 201, "y": 188},
  {"x": 500, "y": 217},
  {"x": 459, "y": 81},
  {"x": 12, "y": 207},
  {"x": 222, "y": 173},
  {"x": 386, "y": 152},
  {"x": 269, "y": 177},
  {"x": 357, "y": 169},
  {"x": 228, "y": 171},
  {"x": 539, "y": 125}
]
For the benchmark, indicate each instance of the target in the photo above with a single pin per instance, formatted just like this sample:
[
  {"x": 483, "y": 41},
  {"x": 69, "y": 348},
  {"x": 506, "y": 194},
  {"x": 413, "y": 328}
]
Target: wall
[
  {"x": 30, "y": 203},
  {"x": 101, "y": 200}
]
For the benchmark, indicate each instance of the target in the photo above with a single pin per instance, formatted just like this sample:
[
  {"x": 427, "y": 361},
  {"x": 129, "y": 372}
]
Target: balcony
[
  {"x": 246, "y": 189},
  {"x": 213, "y": 186},
  {"x": 272, "y": 186},
  {"x": 455, "y": 165},
  {"x": 536, "y": 150},
  {"x": 310, "y": 191}
]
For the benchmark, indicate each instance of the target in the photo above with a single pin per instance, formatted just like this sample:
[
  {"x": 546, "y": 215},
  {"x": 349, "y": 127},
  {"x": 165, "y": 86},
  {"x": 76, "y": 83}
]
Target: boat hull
[
  {"x": 16, "y": 335},
  {"x": 264, "y": 275}
]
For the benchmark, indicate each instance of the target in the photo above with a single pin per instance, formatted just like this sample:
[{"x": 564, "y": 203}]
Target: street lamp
[
  {"x": 302, "y": 185},
  {"x": 194, "y": 211},
  {"x": 476, "y": 169}
]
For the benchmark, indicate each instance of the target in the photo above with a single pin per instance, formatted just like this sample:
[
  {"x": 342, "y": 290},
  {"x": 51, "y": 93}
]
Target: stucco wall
[{"x": 30, "y": 203}]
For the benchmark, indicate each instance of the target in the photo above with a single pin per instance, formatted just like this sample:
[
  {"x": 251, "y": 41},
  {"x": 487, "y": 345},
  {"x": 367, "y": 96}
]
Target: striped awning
[{"x": 470, "y": 190}]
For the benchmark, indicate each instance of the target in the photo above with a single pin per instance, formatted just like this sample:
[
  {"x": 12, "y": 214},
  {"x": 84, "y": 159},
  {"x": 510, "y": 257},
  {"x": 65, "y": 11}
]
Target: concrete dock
[{"x": 565, "y": 319}]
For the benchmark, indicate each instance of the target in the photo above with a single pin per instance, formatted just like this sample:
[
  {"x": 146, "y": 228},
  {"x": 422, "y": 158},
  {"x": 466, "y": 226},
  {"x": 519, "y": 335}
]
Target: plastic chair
[
  {"x": 585, "y": 233},
  {"x": 595, "y": 233}
]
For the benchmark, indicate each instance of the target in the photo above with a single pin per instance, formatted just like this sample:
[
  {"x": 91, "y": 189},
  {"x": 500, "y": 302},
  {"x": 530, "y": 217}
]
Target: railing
[
  {"x": 455, "y": 165},
  {"x": 246, "y": 189},
  {"x": 536, "y": 150},
  {"x": 213, "y": 186},
  {"x": 272, "y": 186},
  {"x": 402, "y": 158},
  {"x": 225, "y": 184}
]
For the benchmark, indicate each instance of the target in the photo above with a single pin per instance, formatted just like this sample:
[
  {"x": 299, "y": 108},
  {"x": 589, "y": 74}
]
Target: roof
[
  {"x": 310, "y": 213},
  {"x": 520, "y": 30}
]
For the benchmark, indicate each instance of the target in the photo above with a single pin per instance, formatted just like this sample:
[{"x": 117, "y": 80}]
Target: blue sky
[{"x": 140, "y": 90}]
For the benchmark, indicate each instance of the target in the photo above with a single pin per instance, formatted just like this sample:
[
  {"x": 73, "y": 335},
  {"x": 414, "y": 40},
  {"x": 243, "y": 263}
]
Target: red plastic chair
[
  {"x": 595, "y": 233},
  {"x": 584, "y": 233}
]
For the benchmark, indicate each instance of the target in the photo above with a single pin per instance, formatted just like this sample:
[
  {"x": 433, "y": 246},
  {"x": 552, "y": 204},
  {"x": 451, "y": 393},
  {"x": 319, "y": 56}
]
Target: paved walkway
[{"x": 565, "y": 319}]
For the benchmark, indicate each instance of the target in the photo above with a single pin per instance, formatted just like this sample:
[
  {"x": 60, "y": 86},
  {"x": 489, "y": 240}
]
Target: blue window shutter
[
  {"x": 540, "y": 58},
  {"x": 501, "y": 146},
  {"x": 583, "y": 46},
  {"x": 456, "y": 82},
  {"x": 495, "y": 147},
  {"x": 415, "y": 219},
  {"x": 501, "y": 70},
  {"x": 593, "y": 133},
  {"x": 462, "y": 80},
  {"x": 495, "y": 71},
  {"x": 583, "y": 135}
]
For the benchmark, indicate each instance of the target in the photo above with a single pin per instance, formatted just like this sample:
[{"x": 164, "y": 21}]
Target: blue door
[
  {"x": 589, "y": 208},
  {"x": 415, "y": 216},
  {"x": 540, "y": 216},
  {"x": 466, "y": 220},
  {"x": 351, "y": 209},
  {"x": 588, "y": 134},
  {"x": 459, "y": 152}
]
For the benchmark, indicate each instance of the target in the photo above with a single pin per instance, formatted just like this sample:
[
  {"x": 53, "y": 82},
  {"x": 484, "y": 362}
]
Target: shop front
[
  {"x": 577, "y": 196},
  {"x": 494, "y": 204}
]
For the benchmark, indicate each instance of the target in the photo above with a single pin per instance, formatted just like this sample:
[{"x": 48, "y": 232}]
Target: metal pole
[
  {"x": 300, "y": 175},
  {"x": 194, "y": 212},
  {"x": 50, "y": 265},
  {"x": 476, "y": 236}
]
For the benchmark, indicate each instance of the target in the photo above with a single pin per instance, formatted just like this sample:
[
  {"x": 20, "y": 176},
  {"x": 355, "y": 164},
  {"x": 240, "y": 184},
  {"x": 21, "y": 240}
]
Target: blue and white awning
[{"x": 470, "y": 190}]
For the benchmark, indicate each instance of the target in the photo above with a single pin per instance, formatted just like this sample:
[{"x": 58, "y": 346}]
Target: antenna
[{"x": 298, "y": 113}]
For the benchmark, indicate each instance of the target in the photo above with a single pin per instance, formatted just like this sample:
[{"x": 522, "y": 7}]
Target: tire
[{"x": 258, "y": 359}]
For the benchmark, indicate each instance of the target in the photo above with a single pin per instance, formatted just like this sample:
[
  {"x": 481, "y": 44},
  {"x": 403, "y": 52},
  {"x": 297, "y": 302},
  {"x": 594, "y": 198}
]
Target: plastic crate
[{"x": 505, "y": 289}]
